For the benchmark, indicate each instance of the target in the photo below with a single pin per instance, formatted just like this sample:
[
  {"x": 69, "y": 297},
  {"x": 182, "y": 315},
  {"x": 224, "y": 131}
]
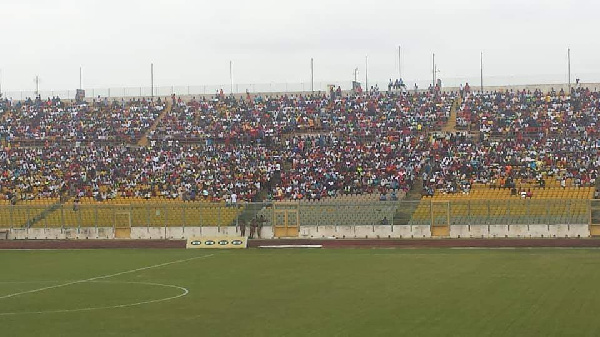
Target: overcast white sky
[{"x": 191, "y": 42}]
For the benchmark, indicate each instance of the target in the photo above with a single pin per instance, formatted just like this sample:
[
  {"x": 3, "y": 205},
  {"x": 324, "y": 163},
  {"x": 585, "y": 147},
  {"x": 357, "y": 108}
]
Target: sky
[{"x": 192, "y": 42}]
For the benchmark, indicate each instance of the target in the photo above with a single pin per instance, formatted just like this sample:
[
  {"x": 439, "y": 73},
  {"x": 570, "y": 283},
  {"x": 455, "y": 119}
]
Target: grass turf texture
[{"x": 433, "y": 292}]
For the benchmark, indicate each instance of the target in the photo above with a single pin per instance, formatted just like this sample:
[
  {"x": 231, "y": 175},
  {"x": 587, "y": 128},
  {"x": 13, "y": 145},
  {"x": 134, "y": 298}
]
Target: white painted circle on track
[{"x": 184, "y": 292}]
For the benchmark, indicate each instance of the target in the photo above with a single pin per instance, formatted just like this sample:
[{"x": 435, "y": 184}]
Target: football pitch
[{"x": 338, "y": 292}]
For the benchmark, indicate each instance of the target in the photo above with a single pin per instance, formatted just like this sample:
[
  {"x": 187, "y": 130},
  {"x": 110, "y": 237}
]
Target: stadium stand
[{"x": 490, "y": 157}]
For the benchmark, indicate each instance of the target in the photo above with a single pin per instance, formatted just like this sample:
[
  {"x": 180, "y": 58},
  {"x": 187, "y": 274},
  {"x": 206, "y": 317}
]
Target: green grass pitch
[{"x": 340, "y": 292}]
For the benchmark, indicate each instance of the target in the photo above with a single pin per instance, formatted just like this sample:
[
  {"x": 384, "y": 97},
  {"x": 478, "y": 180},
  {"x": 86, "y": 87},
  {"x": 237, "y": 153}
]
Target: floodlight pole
[
  {"x": 312, "y": 75},
  {"x": 569, "y": 67},
  {"x": 433, "y": 66},
  {"x": 367, "y": 72},
  {"x": 231, "y": 75},
  {"x": 152, "y": 79},
  {"x": 481, "y": 71},
  {"x": 399, "y": 63}
]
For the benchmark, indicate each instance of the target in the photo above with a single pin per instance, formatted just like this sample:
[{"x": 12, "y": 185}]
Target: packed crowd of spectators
[
  {"x": 189, "y": 172},
  {"x": 524, "y": 137},
  {"x": 261, "y": 118},
  {"x": 458, "y": 161},
  {"x": 219, "y": 148},
  {"x": 295, "y": 146},
  {"x": 532, "y": 114},
  {"x": 324, "y": 166},
  {"x": 100, "y": 120}
]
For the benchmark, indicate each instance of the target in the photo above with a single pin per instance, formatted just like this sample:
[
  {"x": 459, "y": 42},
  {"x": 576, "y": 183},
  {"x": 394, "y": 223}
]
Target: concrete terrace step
[{"x": 144, "y": 140}]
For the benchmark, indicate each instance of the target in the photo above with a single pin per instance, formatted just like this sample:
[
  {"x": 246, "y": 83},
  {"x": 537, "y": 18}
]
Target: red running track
[
  {"x": 340, "y": 243},
  {"x": 433, "y": 243},
  {"x": 89, "y": 244}
]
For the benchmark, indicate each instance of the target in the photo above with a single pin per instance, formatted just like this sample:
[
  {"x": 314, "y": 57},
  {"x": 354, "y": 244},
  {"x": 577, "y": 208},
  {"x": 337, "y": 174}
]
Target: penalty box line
[{"x": 104, "y": 276}]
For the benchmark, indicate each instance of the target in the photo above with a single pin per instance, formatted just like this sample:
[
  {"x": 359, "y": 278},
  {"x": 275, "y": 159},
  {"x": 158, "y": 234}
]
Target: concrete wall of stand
[{"x": 316, "y": 232}]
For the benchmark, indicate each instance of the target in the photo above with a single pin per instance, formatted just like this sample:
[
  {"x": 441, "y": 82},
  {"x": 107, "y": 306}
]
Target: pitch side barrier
[{"x": 349, "y": 217}]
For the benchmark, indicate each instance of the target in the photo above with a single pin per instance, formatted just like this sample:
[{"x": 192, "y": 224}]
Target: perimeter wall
[{"x": 347, "y": 232}]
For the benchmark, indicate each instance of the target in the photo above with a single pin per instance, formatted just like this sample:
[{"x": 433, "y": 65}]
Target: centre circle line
[
  {"x": 184, "y": 292},
  {"x": 104, "y": 276}
]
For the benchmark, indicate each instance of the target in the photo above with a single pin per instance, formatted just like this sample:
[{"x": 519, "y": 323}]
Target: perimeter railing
[{"x": 353, "y": 210}]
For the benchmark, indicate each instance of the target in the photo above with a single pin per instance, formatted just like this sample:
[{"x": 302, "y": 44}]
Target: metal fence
[
  {"x": 502, "y": 212},
  {"x": 544, "y": 82},
  {"x": 190, "y": 90},
  {"x": 200, "y": 90},
  {"x": 322, "y": 213}
]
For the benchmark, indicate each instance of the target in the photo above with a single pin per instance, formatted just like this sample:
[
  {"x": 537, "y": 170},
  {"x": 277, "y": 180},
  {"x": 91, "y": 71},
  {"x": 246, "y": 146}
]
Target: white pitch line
[
  {"x": 103, "y": 276},
  {"x": 184, "y": 292},
  {"x": 32, "y": 282}
]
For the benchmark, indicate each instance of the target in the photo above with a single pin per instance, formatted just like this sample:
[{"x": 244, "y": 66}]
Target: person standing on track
[
  {"x": 242, "y": 227},
  {"x": 261, "y": 223},
  {"x": 253, "y": 226}
]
